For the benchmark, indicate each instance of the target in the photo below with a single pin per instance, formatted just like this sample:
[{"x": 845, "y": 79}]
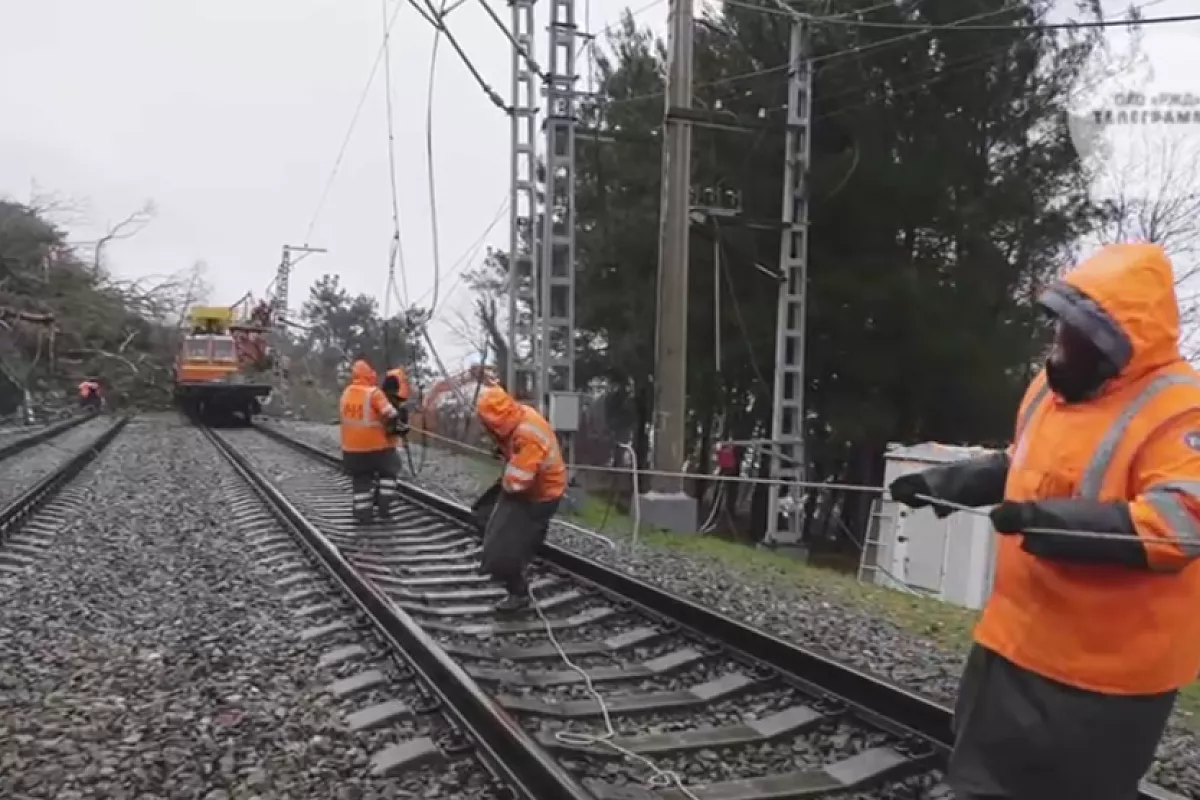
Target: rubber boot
[
  {"x": 362, "y": 509},
  {"x": 517, "y": 598}
]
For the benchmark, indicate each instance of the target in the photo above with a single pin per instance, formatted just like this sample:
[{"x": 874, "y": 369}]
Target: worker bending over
[
  {"x": 1093, "y": 623},
  {"x": 368, "y": 455},
  {"x": 395, "y": 387},
  {"x": 89, "y": 395},
  {"x": 517, "y": 510}
]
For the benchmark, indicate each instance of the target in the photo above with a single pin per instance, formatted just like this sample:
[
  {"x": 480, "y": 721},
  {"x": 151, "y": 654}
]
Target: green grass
[{"x": 947, "y": 625}]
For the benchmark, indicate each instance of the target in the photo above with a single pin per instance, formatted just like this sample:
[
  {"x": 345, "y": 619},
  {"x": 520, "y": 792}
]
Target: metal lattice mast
[
  {"x": 558, "y": 236},
  {"x": 523, "y": 352},
  {"x": 787, "y": 419},
  {"x": 279, "y": 312}
]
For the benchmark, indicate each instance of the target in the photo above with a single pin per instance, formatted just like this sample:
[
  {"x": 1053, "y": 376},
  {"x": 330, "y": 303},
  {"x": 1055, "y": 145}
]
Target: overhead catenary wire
[
  {"x": 396, "y": 250},
  {"x": 1131, "y": 20},
  {"x": 857, "y": 49},
  {"x": 341, "y": 154}
]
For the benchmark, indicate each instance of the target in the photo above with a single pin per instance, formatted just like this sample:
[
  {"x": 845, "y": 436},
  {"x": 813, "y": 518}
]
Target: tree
[
  {"x": 343, "y": 327},
  {"x": 63, "y": 318},
  {"x": 945, "y": 193},
  {"x": 1148, "y": 193}
]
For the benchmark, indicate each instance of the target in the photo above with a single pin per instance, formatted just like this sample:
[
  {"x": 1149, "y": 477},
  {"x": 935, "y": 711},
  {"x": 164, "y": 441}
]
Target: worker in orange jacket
[
  {"x": 517, "y": 510},
  {"x": 89, "y": 394},
  {"x": 1093, "y": 623},
  {"x": 395, "y": 388},
  {"x": 369, "y": 457}
]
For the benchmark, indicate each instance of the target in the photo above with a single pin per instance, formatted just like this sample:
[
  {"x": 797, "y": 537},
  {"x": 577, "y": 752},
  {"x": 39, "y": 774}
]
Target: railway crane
[{"x": 221, "y": 371}]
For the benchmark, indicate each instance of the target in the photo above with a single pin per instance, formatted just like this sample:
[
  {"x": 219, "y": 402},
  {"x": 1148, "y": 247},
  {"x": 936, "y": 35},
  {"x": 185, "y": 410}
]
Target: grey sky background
[{"x": 228, "y": 115}]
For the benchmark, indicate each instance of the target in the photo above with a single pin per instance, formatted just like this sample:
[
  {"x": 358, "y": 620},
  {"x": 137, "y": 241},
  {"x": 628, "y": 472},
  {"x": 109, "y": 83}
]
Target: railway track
[
  {"x": 29, "y": 519},
  {"x": 610, "y": 688}
]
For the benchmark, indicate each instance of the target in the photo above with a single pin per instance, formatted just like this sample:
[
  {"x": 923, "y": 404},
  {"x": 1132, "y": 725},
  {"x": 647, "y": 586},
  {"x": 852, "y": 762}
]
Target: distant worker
[
  {"x": 395, "y": 387},
  {"x": 89, "y": 395},
  {"x": 525, "y": 497},
  {"x": 368, "y": 455},
  {"x": 1093, "y": 623}
]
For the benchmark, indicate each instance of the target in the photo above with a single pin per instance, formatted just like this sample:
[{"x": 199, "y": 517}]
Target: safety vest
[
  {"x": 401, "y": 381},
  {"x": 1108, "y": 629},
  {"x": 542, "y": 478},
  {"x": 362, "y": 411}
]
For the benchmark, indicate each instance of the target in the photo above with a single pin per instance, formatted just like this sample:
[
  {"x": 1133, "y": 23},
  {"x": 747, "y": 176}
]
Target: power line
[
  {"x": 1129, "y": 21},
  {"x": 337, "y": 162},
  {"x": 397, "y": 249},
  {"x": 849, "y": 51},
  {"x": 918, "y": 30}
]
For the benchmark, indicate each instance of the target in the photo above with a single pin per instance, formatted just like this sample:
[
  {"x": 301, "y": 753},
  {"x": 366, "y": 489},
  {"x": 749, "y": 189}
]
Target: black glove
[
  {"x": 487, "y": 498},
  {"x": 906, "y": 488},
  {"x": 1009, "y": 517}
]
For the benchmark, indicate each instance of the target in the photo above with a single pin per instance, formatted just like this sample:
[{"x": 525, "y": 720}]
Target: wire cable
[
  {"x": 522, "y": 51},
  {"x": 919, "y": 30},
  {"x": 816, "y": 59},
  {"x": 1129, "y": 21},
  {"x": 436, "y": 19},
  {"x": 337, "y": 162},
  {"x": 397, "y": 248},
  {"x": 659, "y": 778}
]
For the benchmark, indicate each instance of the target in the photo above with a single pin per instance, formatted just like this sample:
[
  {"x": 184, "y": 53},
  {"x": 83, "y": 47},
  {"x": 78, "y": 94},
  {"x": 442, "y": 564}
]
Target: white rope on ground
[
  {"x": 846, "y": 487},
  {"x": 659, "y": 778}
]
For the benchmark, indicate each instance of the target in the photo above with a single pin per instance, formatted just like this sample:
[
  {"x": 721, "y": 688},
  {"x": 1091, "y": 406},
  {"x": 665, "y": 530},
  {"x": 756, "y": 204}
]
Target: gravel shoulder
[
  {"x": 144, "y": 657},
  {"x": 21, "y": 471},
  {"x": 914, "y": 642}
]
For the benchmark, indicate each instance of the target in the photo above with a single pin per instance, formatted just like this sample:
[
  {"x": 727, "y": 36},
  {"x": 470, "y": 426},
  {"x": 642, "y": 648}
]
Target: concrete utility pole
[
  {"x": 788, "y": 458},
  {"x": 670, "y": 369}
]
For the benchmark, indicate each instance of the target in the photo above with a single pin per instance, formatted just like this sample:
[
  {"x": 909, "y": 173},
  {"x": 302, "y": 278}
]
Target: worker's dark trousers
[
  {"x": 372, "y": 472},
  {"x": 514, "y": 529},
  {"x": 1019, "y": 736}
]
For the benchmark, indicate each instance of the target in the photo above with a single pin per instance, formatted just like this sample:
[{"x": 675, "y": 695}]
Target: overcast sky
[{"x": 228, "y": 114}]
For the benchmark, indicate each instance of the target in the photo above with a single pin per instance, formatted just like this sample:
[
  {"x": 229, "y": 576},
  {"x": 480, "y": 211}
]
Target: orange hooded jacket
[
  {"x": 363, "y": 411},
  {"x": 533, "y": 463},
  {"x": 1128, "y": 622},
  {"x": 401, "y": 379}
]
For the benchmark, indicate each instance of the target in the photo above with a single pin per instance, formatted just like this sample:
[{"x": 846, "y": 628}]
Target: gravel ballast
[
  {"x": 22, "y": 470},
  {"x": 800, "y": 613},
  {"x": 146, "y": 656}
]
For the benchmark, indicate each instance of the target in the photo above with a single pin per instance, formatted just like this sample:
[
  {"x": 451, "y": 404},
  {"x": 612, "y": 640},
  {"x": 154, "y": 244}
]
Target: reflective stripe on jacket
[
  {"x": 363, "y": 410},
  {"x": 534, "y": 464},
  {"x": 1111, "y": 628}
]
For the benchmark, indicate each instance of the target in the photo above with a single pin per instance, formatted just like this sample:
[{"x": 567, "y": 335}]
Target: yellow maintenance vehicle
[{"x": 220, "y": 370}]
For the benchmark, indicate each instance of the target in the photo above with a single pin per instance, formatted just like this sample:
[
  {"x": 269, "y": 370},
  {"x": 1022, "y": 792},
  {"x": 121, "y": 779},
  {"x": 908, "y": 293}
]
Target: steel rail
[
  {"x": 44, "y": 435},
  {"x": 28, "y": 502},
  {"x": 869, "y": 695},
  {"x": 515, "y": 757}
]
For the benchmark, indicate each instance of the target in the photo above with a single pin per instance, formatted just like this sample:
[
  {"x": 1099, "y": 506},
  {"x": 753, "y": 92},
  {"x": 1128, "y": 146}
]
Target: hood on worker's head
[
  {"x": 362, "y": 373},
  {"x": 498, "y": 411},
  {"x": 1122, "y": 299}
]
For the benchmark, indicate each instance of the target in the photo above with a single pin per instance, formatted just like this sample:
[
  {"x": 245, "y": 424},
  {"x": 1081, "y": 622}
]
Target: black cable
[
  {"x": 439, "y": 24},
  {"x": 521, "y": 50},
  {"x": 1127, "y": 22},
  {"x": 743, "y": 330}
]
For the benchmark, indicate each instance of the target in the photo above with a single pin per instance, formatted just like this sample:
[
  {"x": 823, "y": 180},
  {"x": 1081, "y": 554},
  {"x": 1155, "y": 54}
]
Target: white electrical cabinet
[{"x": 952, "y": 559}]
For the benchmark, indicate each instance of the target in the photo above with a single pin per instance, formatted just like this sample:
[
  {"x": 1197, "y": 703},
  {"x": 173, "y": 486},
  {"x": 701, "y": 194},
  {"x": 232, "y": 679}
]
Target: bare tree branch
[{"x": 132, "y": 225}]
